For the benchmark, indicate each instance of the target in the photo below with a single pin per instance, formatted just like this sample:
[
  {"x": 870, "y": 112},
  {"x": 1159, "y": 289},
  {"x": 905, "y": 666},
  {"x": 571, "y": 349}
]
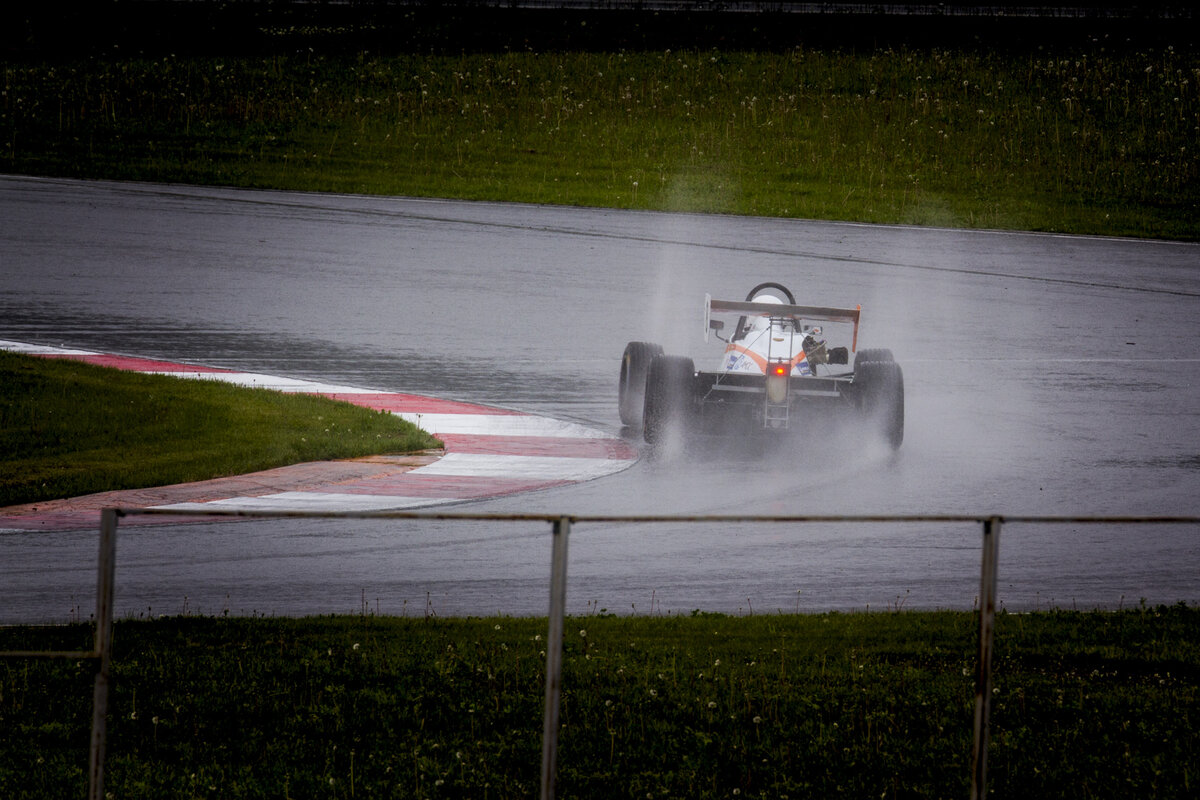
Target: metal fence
[{"x": 561, "y": 526}]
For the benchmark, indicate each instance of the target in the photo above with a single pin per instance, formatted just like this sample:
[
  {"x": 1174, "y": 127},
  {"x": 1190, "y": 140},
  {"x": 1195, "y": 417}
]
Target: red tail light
[{"x": 778, "y": 373}]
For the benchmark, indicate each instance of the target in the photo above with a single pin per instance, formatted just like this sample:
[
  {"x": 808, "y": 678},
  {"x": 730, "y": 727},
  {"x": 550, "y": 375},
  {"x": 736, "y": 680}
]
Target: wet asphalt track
[{"x": 1045, "y": 375}]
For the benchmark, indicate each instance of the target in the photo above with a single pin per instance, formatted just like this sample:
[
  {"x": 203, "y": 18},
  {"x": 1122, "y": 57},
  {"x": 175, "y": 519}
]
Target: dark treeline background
[{"x": 131, "y": 28}]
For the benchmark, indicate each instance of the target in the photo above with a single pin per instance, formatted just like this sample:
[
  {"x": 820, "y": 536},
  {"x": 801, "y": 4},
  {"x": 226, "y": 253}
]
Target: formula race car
[{"x": 775, "y": 374}]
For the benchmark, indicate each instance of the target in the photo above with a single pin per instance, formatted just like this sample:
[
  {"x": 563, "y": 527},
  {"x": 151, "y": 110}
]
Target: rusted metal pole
[
  {"x": 104, "y": 629},
  {"x": 554, "y": 654},
  {"x": 983, "y": 667}
]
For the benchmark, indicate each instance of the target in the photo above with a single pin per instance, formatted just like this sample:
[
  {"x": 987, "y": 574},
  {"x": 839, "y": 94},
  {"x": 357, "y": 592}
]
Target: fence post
[
  {"x": 554, "y": 654},
  {"x": 983, "y": 667},
  {"x": 104, "y": 629}
]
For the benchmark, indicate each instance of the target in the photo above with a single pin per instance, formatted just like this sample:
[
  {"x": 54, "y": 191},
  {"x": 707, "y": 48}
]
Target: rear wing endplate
[{"x": 750, "y": 309}]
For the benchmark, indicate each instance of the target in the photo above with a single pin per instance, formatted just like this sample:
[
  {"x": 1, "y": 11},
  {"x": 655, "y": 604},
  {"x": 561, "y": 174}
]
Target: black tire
[
  {"x": 872, "y": 354},
  {"x": 879, "y": 388},
  {"x": 668, "y": 404},
  {"x": 631, "y": 392}
]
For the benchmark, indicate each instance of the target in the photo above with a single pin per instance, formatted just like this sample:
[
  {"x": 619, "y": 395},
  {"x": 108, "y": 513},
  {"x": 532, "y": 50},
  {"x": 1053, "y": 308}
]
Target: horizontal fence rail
[
  {"x": 664, "y": 518},
  {"x": 561, "y": 525}
]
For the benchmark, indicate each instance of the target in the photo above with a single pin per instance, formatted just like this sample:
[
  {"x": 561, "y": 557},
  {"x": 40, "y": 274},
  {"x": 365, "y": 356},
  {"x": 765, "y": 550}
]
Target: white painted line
[
  {"x": 500, "y": 425},
  {"x": 312, "y": 501},
  {"x": 41, "y": 350},
  {"x": 548, "y": 468},
  {"x": 255, "y": 380}
]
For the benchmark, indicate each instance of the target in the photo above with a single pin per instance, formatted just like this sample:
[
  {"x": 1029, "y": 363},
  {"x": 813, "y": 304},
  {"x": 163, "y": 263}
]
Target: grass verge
[
  {"x": 1083, "y": 138},
  {"x": 1098, "y": 705},
  {"x": 69, "y": 429}
]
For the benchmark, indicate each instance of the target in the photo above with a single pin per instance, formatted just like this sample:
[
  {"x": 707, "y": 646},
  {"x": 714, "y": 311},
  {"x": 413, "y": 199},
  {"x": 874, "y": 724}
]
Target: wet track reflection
[{"x": 1044, "y": 375}]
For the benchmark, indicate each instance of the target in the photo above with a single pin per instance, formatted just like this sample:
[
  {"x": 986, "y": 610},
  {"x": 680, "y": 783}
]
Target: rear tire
[
  {"x": 879, "y": 386},
  {"x": 872, "y": 354},
  {"x": 667, "y": 410},
  {"x": 631, "y": 392}
]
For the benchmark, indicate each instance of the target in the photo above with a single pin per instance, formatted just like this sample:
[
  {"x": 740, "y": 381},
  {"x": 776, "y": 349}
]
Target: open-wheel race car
[{"x": 776, "y": 373}]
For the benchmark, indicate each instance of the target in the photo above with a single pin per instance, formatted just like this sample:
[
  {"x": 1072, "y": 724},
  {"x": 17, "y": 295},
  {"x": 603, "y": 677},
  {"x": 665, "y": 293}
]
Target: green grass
[
  {"x": 69, "y": 429},
  {"x": 1086, "y": 705},
  {"x": 1084, "y": 140}
]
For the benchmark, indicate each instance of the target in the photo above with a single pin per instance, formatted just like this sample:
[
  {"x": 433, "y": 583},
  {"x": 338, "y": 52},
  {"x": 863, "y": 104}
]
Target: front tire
[
  {"x": 631, "y": 392},
  {"x": 667, "y": 409},
  {"x": 879, "y": 386}
]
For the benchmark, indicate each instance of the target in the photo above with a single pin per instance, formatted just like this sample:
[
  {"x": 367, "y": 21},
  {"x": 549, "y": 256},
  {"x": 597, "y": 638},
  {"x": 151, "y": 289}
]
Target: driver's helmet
[{"x": 760, "y": 323}]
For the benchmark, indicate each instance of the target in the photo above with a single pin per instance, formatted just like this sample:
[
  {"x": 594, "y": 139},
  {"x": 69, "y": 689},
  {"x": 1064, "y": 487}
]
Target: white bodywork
[{"x": 770, "y": 332}]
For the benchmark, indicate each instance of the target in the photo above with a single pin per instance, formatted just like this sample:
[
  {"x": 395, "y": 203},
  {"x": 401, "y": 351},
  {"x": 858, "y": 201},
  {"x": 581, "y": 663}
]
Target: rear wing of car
[{"x": 745, "y": 308}]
